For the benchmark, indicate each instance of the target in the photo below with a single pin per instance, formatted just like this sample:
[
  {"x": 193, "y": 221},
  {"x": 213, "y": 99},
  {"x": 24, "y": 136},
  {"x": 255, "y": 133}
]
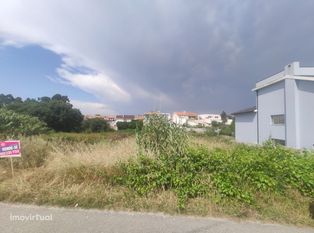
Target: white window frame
[{"x": 278, "y": 119}]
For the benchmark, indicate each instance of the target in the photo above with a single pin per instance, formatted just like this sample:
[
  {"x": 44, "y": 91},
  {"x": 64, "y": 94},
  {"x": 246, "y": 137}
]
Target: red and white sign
[{"x": 10, "y": 149}]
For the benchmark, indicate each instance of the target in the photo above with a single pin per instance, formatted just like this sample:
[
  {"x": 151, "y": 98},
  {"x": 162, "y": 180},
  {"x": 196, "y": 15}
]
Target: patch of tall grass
[
  {"x": 87, "y": 138},
  {"x": 208, "y": 176},
  {"x": 35, "y": 151}
]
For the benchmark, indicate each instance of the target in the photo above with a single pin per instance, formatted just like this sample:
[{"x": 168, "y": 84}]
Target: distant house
[
  {"x": 229, "y": 121},
  {"x": 284, "y": 110},
  {"x": 86, "y": 117},
  {"x": 139, "y": 117},
  {"x": 125, "y": 118},
  {"x": 166, "y": 115},
  {"x": 109, "y": 118},
  {"x": 184, "y": 118},
  {"x": 207, "y": 119}
]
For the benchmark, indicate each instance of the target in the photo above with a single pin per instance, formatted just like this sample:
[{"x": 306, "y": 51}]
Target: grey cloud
[{"x": 189, "y": 55}]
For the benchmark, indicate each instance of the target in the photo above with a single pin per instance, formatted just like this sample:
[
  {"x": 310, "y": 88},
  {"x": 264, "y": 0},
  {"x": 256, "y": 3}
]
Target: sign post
[
  {"x": 12, "y": 170},
  {"x": 9, "y": 149}
]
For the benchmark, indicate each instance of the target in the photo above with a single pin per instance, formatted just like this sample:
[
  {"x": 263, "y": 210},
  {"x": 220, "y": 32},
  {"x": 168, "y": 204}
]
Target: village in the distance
[{"x": 187, "y": 119}]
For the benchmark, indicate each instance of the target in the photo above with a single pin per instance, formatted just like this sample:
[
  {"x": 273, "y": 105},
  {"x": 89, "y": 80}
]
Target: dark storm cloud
[
  {"x": 185, "y": 55},
  {"x": 207, "y": 55}
]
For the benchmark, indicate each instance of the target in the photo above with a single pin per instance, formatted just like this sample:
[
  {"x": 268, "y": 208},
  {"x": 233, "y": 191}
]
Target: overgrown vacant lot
[{"x": 195, "y": 176}]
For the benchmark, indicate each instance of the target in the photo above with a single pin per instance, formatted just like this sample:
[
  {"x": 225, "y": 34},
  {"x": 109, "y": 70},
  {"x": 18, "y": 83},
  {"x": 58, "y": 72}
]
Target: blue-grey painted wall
[
  {"x": 306, "y": 113},
  {"x": 292, "y": 113},
  {"x": 246, "y": 127},
  {"x": 289, "y": 93},
  {"x": 271, "y": 101}
]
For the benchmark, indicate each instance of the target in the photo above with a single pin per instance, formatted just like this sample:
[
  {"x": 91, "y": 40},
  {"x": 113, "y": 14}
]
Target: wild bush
[
  {"x": 220, "y": 129},
  {"x": 162, "y": 137},
  {"x": 183, "y": 174},
  {"x": 13, "y": 124},
  {"x": 95, "y": 125},
  {"x": 241, "y": 173},
  {"x": 250, "y": 169},
  {"x": 134, "y": 124}
]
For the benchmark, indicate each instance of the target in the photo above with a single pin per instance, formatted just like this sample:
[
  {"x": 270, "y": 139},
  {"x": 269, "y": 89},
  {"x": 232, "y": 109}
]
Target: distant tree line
[
  {"x": 95, "y": 125},
  {"x": 218, "y": 128},
  {"x": 57, "y": 113},
  {"x": 134, "y": 124}
]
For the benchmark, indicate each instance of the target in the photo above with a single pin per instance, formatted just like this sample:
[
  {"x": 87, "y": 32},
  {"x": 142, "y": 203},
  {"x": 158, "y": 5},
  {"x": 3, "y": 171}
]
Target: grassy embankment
[{"x": 218, "y": 178}]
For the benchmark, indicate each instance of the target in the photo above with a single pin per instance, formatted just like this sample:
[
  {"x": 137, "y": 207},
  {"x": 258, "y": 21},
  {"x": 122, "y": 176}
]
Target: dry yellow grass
[
  {"x": 100, "y": 154},
  {"x": 213, "y": 142}
]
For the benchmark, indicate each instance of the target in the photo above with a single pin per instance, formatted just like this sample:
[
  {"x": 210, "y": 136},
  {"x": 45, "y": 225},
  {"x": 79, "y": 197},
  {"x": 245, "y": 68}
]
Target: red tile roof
[{"x": 189, "y": 114}]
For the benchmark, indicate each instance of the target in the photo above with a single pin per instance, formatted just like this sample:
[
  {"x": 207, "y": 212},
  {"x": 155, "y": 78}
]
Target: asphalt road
[{"x": 26, "y": 218}]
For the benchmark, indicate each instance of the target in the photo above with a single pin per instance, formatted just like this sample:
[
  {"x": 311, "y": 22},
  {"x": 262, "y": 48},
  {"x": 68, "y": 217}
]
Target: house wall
[
  {"x": 294, "y": 99},
  {"x": 306, "y": 113},
  {"x": 246, "y": 127},
  {"x": 180, "y": 120},
  {"x": 271, "y": 101},
  {"x": 292, "y": 113}
]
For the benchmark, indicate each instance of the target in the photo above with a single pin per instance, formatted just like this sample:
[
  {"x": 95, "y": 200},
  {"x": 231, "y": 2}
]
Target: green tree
[
  {"x": 14, "y": 124},
  {"x": 224, "y": 117},
  {"x": 95, "y": 125},
  {"x": 215, "y": 124},
  {"x": 62, "y": 98},
  {"x": 56, "y": 112},
  {"x": 134, "y": 124},
  {"x": 8, "y": 99},
  {"x": 60, "y": 116}
]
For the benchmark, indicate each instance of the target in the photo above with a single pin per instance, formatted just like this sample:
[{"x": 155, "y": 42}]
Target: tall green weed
[
  {"x": 241, "y": 173},
  {"x": 162, "y": 137}
]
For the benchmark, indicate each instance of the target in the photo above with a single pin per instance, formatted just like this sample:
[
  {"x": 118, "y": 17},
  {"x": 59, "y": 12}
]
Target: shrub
[
  {"x": 184, "y": 175},
  {"x": 134, "y": 124},
  {"x": 228, "y": 130},
  {"x": 13, "y": 124},
  {"x": 210, "y": 132},
  {"x": 95, "y": 125},
  {"x": 221, "y": 129},
  {"x": 241, "y": 173},
  {"x": 250, "y": 169},
  {"x": 161, "y": 137}
]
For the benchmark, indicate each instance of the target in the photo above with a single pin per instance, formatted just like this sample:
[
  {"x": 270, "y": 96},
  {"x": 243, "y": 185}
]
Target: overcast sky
[{"x": 139, "y": 55}]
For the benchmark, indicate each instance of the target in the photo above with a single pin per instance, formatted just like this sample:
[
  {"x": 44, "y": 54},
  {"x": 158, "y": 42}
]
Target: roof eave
[
  {"x": 245, "y": 111},
  {"x": 296, "y": 77},
  {"x": 271, "y": 83}
]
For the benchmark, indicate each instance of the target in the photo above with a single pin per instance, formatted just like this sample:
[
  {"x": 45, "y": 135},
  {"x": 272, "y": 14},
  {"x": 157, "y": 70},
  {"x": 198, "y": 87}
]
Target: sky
[{"x": 130, "y": 57}]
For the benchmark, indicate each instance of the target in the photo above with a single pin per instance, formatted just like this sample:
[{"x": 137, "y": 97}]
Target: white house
[
  {"x": 184, "y": 118},
  {"x": 284, "y": 110},
  {"x": 229, "y": 121},
  {"x": 209, "y": 118},
  {"x": 165, "y": 115}
]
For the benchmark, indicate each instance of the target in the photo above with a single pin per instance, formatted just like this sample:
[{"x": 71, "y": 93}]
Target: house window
[
  {"x": 278, "y": 119},
  {"x": 279, "y": 141}
]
